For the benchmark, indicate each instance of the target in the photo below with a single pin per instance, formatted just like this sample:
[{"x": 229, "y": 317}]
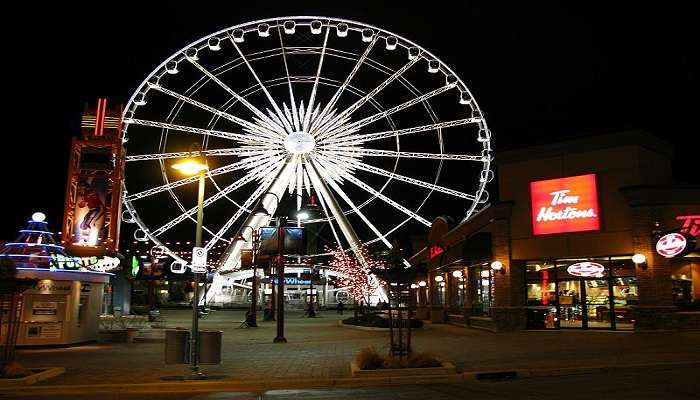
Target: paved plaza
[{"x": 319, "y": 348}]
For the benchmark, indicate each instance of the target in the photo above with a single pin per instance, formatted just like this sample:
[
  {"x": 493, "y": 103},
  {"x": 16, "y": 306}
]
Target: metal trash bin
[
  {"x": 177, "y": 346},
  {"x": 210, "y": 347}
]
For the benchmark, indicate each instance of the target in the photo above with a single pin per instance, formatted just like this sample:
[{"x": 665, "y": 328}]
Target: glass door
[
  {"x": 598, "y": 313},
  {"x": 571, "y": 308}
]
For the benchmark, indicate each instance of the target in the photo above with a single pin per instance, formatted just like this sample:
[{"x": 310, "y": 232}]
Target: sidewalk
[{"x": 318, "y": 349}]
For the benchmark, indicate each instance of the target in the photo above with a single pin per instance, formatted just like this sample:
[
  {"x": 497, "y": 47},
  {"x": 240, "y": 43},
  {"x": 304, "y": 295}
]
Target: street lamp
[
  {"x": 191, "y": 167},
  {"x": 252, "y": 319}
]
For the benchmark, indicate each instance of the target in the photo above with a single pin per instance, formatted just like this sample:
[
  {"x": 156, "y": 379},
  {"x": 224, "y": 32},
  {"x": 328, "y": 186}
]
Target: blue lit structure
[
  {"x": 64, "y": 306},
  {"x": 34, "y": 246}
]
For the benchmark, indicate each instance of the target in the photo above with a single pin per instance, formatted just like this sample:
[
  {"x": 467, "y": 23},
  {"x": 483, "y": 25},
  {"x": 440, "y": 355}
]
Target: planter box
[
  {"x": 38, "y": 374},
  {"x": 363, "y": 328},
  {"x": 445, "y": 369}
]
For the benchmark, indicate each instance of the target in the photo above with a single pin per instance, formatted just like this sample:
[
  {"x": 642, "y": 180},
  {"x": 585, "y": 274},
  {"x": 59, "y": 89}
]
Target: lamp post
[
  {"x": 280, "y": 281},
  {"x": 192, "y": 167},
  {"x": 252, "y": 319}
]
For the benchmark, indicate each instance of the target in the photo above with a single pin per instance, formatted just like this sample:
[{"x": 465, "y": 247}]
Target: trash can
[
  {"x": 176, "y": 346},
  {"x": 210, "y": 347}
]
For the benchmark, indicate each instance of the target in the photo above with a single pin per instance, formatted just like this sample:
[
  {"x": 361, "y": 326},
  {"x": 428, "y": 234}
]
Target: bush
[
  {"x": 423, "y": 360},
  {"x": 14, "y": 370},
  {"x": 368, "y": 358}
]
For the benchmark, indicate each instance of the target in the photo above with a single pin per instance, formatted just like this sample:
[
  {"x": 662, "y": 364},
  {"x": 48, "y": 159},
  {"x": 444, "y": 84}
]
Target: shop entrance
[
  {"x": 558, "y": 299},
  {"x": 584, "y": 303},
  {"x": 571, "y": 310}
]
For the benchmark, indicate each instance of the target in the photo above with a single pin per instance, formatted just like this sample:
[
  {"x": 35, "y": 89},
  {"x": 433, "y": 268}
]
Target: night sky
[{"x": 540, "y": 71}]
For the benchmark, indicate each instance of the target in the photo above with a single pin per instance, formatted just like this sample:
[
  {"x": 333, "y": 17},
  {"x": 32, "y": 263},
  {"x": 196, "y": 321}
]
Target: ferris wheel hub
[{"x": 299, "y": 143}]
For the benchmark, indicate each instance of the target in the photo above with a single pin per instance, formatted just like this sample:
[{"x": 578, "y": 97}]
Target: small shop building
[
  {"x": 587, "y": 234},
  {"x": 68, "y": 293}
]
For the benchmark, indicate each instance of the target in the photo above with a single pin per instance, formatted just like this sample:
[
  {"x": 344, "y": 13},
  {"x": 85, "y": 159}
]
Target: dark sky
[{"x": 540, "y": 70}]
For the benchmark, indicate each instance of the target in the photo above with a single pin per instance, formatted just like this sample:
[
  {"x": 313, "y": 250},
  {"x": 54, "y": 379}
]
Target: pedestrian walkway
[{"x": 320, "y": 348}]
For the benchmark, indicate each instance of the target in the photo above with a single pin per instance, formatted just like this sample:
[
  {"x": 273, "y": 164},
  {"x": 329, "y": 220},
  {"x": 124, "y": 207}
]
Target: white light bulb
[{"x": 38, "y": 217}]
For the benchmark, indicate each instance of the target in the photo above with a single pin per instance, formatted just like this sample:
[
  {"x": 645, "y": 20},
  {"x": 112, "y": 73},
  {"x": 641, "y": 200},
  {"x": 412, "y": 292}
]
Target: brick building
[{"x": 570, "y": 219}]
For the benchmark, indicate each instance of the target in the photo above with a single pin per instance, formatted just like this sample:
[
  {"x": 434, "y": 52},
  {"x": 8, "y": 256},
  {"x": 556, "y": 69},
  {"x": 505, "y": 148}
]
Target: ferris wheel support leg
[
  {"x": 343, "y": 223},
  {"x": 232, "y": 255}
]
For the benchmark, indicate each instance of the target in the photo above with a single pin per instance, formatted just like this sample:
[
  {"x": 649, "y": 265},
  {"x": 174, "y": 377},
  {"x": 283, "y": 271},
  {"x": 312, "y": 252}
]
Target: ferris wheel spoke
[
  {"x": 355, "y": 151},
  {"x": 238, "y": 151},
  {"x": 253, "y": 128},
  {"x": 355, "y": 126},
  {"x": 246, "y": 205},
  {"x": 295, "y": 117},
  {"x": 279, "y": 112},
  {"x": 250, "y": 176},
  {"x": 344, "y": 225},
  {"x": 336, "y": 96},
  {"x": 247, "y": 139},
  {"x": 372, "y": 93},
  {"x": 359, "y": 139},
  {"x": 239, "y": 98},
  {"x": 312, "y": 97},
  {"x": 387, "y": 200},
  {"x": 413, "y": 181},
  {"x": 352, "y": 205},
  {"x": 249, "y": 162}
]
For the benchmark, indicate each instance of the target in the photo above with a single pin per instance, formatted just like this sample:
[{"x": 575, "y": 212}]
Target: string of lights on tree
[{"x": 355, "y": 277}]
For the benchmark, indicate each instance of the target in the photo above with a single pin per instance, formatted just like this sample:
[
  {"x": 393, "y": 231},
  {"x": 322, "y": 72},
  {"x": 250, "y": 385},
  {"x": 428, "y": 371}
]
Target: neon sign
[
  {"x": 94, "y": 263},
  {"x": 565, "y": 205},
  {"x": 691, "y": 224},
  {"x": 293, "y": 281},
  {"x": 675, "y": 244},
  {"x": 434, "y": 251},
  {"x": 586, "y": 269}
]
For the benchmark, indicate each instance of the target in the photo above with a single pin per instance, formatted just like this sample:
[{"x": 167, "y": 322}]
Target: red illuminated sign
[
  {"x": 565, "y": 205},
  {"x": 434, "y": 251},
  {"x": 672, "y": 245},
  {"x": 586, "y": 269},
  {"x": 691, "y": 224}
]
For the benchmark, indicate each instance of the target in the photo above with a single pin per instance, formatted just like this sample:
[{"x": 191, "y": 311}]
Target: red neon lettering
[{"x": 691, "y": 224}]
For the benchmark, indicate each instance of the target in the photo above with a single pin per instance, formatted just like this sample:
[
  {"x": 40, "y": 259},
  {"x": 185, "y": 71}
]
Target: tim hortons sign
[
  {"x": 675, "y": 245},
  {"x": 565, "y": 205}
]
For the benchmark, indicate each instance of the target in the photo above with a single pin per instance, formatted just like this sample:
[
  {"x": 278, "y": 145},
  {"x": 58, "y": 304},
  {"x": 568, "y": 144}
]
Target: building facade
[{"x": 590, "y": 233}]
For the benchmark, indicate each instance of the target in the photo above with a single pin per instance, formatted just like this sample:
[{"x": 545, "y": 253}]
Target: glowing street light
[{"x": 192, "y": 167}]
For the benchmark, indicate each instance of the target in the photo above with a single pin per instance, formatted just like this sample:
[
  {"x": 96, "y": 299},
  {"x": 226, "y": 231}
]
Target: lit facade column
[
  {"x": 655, "y": 310},
  {"x": 508, "y": 311}
]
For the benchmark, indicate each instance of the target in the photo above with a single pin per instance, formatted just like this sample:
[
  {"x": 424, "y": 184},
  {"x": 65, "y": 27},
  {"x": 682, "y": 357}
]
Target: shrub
[
  {"x": 393, "y": 363},
  {"x": 368, "y": 358},
  {"x": 423, "y": 360},
  {"x": 14, "y": 370}
]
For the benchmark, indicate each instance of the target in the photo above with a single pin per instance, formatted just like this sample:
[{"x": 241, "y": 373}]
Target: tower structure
[{"x": 95, "y": 179}]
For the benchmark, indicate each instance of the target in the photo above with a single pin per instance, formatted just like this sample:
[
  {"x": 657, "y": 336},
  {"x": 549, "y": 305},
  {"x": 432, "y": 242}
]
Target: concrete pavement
[{"x": 320, "y": 350}]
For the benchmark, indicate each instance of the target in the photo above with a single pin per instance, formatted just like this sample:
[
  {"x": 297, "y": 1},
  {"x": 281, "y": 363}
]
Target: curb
[
  {"x": 547, "y": 372},
  {"x": 245, "y": 385},
  {"x": 45, "y": 373}
]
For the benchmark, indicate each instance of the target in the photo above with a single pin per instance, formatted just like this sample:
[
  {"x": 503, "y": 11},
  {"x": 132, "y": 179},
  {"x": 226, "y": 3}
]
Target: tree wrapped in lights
[{"x": 355, "y": 276}]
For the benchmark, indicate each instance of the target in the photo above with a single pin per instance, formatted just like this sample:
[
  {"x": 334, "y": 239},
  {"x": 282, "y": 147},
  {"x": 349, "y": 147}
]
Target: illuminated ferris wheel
[{"x": 375, "y": 127}]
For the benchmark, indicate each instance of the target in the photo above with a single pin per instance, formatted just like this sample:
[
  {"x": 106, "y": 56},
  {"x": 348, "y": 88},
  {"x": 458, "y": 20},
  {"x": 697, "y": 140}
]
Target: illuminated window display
[{"x": 581, "y": 293}]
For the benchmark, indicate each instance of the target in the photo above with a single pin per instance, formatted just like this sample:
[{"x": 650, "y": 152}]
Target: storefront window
[
  {"x": 541, "y": 295},
  {"x": 581, "y": 293},
  {"x": 625, "y": 297},
  {"x": 482, "y": 289},
  {"x": 686, "y": 285}
]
